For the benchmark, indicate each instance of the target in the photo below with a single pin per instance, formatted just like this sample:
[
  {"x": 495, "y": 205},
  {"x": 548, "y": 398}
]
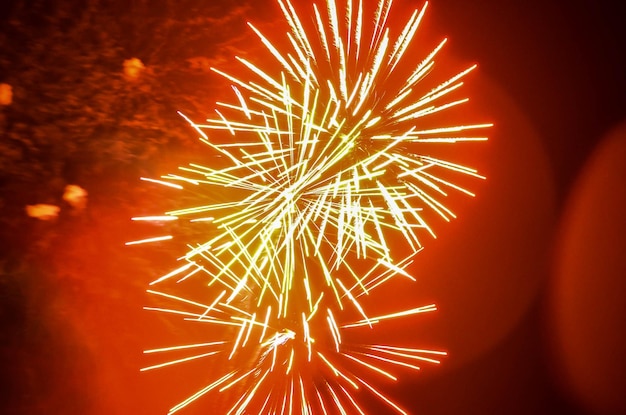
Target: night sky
[{"x": 529, "y": 279}]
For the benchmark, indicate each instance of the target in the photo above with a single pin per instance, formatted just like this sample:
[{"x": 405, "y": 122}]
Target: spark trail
[{"x": 322, "y": 190}]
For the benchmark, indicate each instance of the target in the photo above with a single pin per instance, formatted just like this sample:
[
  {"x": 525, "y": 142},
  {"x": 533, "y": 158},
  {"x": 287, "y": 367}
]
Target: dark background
[
  {"x": 564, "y": 65},
  {"x": 559, "y": 64},
  {"x": 562, "y": 62}
]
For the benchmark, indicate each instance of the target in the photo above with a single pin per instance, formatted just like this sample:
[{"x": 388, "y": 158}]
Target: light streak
[
  {"x": 154, "y": 218},
  {"x": 383, "y": 397},
  {"x": 173, "y": 362},
  {"x": 164, "y": 183},
  {"x": 150, "y": 240},
  {"x": 320, "y": 191}
]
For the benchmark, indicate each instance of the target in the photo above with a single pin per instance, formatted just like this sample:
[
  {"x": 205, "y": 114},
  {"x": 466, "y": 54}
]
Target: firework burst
[{"x": 317, "y": 168}]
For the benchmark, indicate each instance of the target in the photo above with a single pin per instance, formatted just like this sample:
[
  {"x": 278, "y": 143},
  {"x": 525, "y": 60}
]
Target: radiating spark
[
  {"x": 164, "y": 183},
  {"x": 181, "y": 347},
  {"x": 383, "y": 397},
  {"x": 173, "y": 362},
  {"x": 373, "y": 320},
  {"x": 374, "y": 368},
  {"x": 154, "y": 218},
  {"x": 201, "y": 392},
  {"x": 149, "y": 240},
  {"x": 173, "y": 273}
]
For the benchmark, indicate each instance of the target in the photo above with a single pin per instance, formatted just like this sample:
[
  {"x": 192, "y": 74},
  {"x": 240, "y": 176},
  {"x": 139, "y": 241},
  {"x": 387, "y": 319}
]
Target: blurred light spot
[
  {"x": 133, "y": 68},
  {"x": 486, "y": 268},
  {"x": 6, "y": 94},
  {"x": 75, "y": 196},
  {"x": 588, "y": 305},
  {"x": 42, "y": 211}
]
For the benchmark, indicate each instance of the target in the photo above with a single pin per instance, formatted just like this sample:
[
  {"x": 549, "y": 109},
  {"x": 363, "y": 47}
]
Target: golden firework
[{"x": 318, "y": 168}]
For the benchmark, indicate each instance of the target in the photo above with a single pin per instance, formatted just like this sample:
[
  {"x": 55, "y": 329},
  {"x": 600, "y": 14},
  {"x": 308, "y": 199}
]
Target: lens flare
[{"x": 320, "y": 181}]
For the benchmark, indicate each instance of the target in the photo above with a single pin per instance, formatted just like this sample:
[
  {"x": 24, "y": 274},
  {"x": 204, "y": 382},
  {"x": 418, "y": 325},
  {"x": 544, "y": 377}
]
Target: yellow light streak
[
  {"x": 174, "y": 362},
  {"x": 201, "y": 392},
  {"x": 175, "y": 186},
  {"x": 371, "y": 320},
  {"x": 223, "y": 388},
  {"x": 374, "y": 368},
  {"x": 150, "y": 240},
  {"x": 154, "y": 218},
  {"x": 383, "y": 397},
  {"x": 173, "y": 273},
  {"x": 352, "y": 401},
  {"x": 392, "y": 361},
  {"x": 182, "y": 347}
]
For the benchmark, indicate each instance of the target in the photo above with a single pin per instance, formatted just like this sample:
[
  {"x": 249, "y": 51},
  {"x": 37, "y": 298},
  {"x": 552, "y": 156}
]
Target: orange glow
[{"x": 324, "y": 193}]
